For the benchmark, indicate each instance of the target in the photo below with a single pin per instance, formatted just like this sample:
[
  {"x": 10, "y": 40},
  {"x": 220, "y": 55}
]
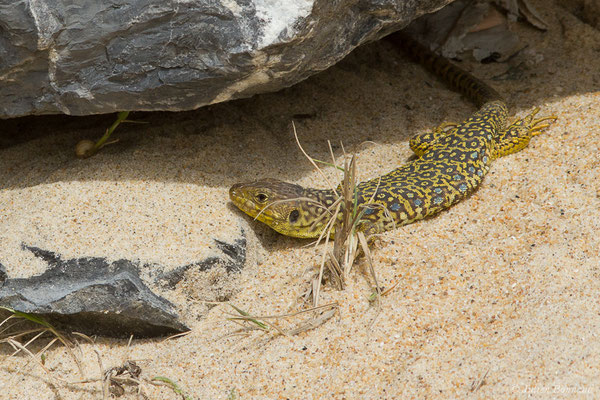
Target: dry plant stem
[
  {"x": 98, "y": 357},
  {"x": 46, "y": 347},
  {"x": 330, "y": 223},
  {"x": 8, "y": 327},
  {"x": 336, "y": 270},
  {"x": 30, "y": 341},
  {"x": 338, "y": 264},
  {"x": 310, "y": 158},
  {"x": 327, "y": 229},
  {"x": 478, "y": 383},
  {"x": 387, "y": 291},
  {"x": 35, "y": 357},
  {"x": 365, "y": 248},
  {"x": 327, "y": 233},
  {"x": 317, "y": 290},
  {"x": 24, "y": 333},
  {"x": 113, "y": 378},
  {"x": 177, "y": 335},
  {"x": 311, "y": 324},
  {"x": 105, "y": 388},
  {"x": 18, "y": 345}
]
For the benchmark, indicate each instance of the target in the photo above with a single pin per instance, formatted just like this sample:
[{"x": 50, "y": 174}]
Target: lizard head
[{"x": 287, "y": 208}]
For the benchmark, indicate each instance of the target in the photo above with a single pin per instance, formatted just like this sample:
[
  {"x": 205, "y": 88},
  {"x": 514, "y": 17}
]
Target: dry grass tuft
[
  {"x": 345, "y": 225},
  {"x": 21, "y": 330}
]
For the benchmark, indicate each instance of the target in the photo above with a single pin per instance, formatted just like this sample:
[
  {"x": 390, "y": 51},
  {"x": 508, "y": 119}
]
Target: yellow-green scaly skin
[{"x": 450, "y": 164}]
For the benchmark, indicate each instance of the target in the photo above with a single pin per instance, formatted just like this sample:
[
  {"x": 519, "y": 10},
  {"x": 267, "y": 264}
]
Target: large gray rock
[{"x": 99, "y": 57}]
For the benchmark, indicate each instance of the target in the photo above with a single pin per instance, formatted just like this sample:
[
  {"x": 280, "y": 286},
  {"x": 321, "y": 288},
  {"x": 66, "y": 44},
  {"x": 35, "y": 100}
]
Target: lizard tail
[{"x": 457, "y": 78}]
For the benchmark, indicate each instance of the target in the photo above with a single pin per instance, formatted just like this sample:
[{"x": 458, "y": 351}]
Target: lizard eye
[
  {"x": 261, "y": 197},
  {"x": 294, "y": 215}
]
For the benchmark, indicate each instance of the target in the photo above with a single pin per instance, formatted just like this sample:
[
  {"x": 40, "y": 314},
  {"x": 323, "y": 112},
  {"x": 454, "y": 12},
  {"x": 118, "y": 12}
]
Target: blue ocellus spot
[
  {"x": 485, "y": 159},
  {"x": 472, "y": 169},
  {"x": 457, "y": 177},
  {"x": 474, "y": 155},
  {"x": 369, "y": 210},
  {"x": 479, "y": 172},
  {"x": 462, "y": 187},
  {"x": 437, "y": 200},
  {"x": 395, "y": 207},
  {"x": 437, "y": 190},
  {"x": 418, "y": 202}
]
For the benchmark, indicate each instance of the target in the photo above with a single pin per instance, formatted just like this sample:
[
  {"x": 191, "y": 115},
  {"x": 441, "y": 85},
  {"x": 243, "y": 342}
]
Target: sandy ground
[{"x": 495, "y": 298}]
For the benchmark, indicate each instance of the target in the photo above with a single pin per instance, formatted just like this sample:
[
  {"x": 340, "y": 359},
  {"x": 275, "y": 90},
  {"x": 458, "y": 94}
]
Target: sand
[{"x": 495, "y": 298}]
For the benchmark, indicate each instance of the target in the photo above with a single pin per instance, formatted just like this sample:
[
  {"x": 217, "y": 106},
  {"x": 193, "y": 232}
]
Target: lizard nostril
[{"x": 233, "y": 191}]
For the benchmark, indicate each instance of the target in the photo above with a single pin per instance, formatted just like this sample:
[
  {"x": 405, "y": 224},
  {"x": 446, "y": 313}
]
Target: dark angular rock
[{"x": 95, "y": 296}]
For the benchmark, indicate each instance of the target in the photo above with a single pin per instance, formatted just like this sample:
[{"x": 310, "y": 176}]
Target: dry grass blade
[
  {"x": 336, "y": 270},
  {"x": 314, "y": 322},
  {"x": 33, "y": 339},
  {"x": 325, "y": 312},
  {"x": 112, "y": 381},
  {"x": 177, "y": 335},
  {"x": 343, "y": 223},
  {"x": 311, "y": 159},
  {"x": 331, "y": 153},
  {"x": 329, "y": 225},
  {"x": 98, "y": 357},
  {"x": 317, "y": 285},
  {"x": 479, "y": 382},
  {"x": 367, "y": 252},
  {"x": 15, "y": 344},
  {"x": 19, "y": 334},
  {"x": 11, "y": 326},
  {"x": 365, "y": 248},
  {"x": 331, "y": 222}
]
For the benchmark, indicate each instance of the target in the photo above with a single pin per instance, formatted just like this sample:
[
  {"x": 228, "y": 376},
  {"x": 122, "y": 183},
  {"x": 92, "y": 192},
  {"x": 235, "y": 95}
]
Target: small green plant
[
  {"x": 174, "y": 386},
  {"x": 87, "y": 148}
]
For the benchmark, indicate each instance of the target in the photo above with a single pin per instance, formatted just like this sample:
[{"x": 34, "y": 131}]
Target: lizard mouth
[{"x": 243, "y": 203}]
